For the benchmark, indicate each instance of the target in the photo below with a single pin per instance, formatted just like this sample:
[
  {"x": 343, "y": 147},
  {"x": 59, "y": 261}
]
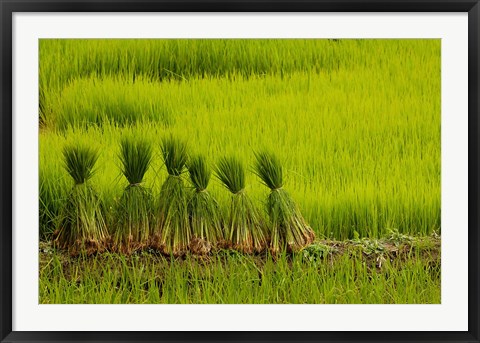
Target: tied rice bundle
[
  {"x": 288, "y": 228},
  {"x": 134, "y": 215},
  {"x": 173, "y": 232},
  {"x": 244, "y": 226},
  {"x": 82, "y": 228},
  {"x": 204, "y": 211}
]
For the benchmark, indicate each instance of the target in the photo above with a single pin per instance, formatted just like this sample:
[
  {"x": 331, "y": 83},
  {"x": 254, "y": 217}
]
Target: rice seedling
[
  {"x": 134, "y": 212},
  {"x": 52, "y": 193},
  {"x": 205, "y": 218},
  {"x": 244, "y": 225},
  {"x": 288, "y": 230},
  {"x": 86, "y": 102},
  {"x": 64, "y": 60},
  {"x": 82, "y": 227},
  {"x": 173, "y": 232}
]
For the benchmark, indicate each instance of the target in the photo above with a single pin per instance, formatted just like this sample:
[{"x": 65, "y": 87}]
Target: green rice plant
[
  {"x": 205, "y": 218},
  {"x": 134, "y": 210},
  {"x": 52, "y": 195},
  {"x": 82, "y": 227},
  {"x": 63, "y": 61},
  {"x": 288, "y": 230},
  {"x": 89, "y": 101},
  {"x": 79, "y": 162},
  {"x": 244, "y": 226},
  {"x": 173, "y": 232}
]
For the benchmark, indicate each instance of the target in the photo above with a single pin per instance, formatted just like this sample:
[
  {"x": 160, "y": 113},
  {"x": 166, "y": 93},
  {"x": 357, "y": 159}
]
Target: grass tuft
[
  {"x": 136, "y": 158},
  {"x": 174, "y": 153},
  {"x": 79, "y": 162},
  {"x": 231, "y": 173},
  {"x": 199, "y": 172},
  {"x": 269, "y": 170}
]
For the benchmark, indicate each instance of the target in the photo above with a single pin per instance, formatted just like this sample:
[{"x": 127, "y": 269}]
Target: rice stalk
[
  {"x": 173, "y": 232},
  {"x": 82, "y": 228},
  {"x": 203, "y": 209},
  {"x": 244, "y": 225},
  {"x": 288, "y": 228},
  {"x": 134, "y": 216}
]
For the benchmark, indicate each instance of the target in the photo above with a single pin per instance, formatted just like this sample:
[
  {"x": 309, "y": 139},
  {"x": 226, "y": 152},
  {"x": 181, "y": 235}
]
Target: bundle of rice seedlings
[
  {"x": 204, "y": 211},
  {"x": 288, "y": 227},
  {"x": 82, "y": 227},
  {"x": 244, "y": 226},
  {"x": 173, "y": 232},
  {"x": 134, "y": 215}
]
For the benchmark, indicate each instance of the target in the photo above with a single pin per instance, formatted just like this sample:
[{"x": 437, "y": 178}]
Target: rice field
[{"x": 353, "y": 125}]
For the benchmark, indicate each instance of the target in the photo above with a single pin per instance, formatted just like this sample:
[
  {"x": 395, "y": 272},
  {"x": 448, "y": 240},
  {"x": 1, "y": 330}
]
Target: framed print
[{"x": 238, "y": 171}]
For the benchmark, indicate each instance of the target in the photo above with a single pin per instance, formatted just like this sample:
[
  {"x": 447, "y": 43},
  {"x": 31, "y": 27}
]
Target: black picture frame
[{"x": 8, "y": 7}]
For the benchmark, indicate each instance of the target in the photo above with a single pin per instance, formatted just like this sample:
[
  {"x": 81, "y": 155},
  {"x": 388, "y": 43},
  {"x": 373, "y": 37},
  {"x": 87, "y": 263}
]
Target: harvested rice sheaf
[
  {"x": 204, "y": 211},
  {"x": 82, "y": 228},
  {"x": 288, "y": 228},
  {"x": 173, "y": 231},
  {"x": 133, "y": 218},
  {"x": 244, "y": 225}
]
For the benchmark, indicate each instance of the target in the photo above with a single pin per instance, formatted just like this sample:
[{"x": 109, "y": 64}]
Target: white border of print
[{"x": 450, "y": 315}]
